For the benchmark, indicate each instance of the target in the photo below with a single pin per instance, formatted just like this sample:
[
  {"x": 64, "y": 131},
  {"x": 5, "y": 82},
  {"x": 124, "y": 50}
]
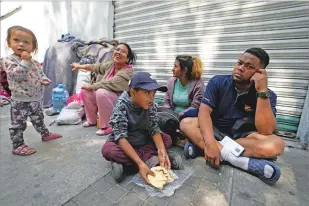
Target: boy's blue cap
[{"x": 143, "y": 80}]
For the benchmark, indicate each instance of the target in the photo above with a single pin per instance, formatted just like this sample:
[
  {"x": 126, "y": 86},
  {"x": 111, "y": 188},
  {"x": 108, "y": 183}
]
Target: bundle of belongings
[
  {"x": 57, "y": 67},
  {"x": 71, "y": 114},
  {"x": 5, "y": 92},
  {"x": 59, "y": 57}
]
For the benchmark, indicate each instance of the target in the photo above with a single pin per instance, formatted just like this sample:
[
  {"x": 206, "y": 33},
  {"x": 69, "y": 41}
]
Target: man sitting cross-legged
[{"x": 228, "y": 105}]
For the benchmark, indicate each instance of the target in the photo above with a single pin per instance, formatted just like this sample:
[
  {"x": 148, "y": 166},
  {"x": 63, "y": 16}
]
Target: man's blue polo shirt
[{"x": 228, "y": 106}]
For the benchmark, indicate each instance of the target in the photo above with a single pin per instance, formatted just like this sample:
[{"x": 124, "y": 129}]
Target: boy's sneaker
[
  {"x": 117, "y": 171},
  {"x": 176, "y": 160},
  {"x": 190, "y": 150}
]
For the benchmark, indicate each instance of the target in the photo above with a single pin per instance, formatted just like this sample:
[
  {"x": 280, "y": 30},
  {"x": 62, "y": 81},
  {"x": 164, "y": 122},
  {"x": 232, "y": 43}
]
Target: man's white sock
[{"x": 241, "y": 162}]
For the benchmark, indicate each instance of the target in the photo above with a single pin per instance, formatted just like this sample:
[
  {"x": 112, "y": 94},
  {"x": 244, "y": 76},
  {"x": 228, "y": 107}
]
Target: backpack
[{"x": 168, "y": 121}]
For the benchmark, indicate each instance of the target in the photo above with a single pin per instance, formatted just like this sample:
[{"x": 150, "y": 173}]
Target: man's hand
[
  {"x": 144, "y": 171},
  {"x": 212, "y": 154},
  {"x": 164, "y": 160},
  {"x": 77, "y": 66},
  {"x": 25, "y": 56},
  {"x": 87, "y": 87},
  {"x": 260, "y": 80},
  {"x": 45, "y": 82}
]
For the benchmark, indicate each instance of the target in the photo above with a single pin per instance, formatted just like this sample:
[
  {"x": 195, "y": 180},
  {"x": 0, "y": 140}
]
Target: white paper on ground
[
  {"x": 169, "y": 189},
  {"x": 232, "y": 146}
]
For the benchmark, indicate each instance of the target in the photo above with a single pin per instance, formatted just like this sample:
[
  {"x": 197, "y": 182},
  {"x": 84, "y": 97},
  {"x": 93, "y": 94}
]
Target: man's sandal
[
  {"x": 257, "y": 167},
  {"x": 23, "y": 150}
]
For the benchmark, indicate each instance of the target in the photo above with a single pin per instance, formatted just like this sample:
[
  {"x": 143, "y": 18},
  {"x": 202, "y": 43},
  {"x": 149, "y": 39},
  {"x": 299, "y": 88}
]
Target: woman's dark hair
[
  {"x": 194, "y": 66},
  {"x": 23, "y": 29},
  {"x": 131, "y": 54}
]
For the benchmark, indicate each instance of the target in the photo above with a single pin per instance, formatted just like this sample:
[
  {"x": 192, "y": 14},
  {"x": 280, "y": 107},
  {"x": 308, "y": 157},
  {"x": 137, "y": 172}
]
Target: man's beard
[{"x": 241, "y": 81}]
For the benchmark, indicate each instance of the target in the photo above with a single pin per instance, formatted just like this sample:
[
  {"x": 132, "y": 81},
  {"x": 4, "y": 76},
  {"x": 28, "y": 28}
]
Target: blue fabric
[
  {"x": 191, "y": 113},
  {"x": 66, "y": 38},
  {"x": 221, "y": 96},
  {"x": 144, "y": 80}
]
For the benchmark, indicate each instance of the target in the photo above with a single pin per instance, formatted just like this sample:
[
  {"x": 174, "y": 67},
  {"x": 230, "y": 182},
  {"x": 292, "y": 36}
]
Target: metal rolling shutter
[{"x": 219, "y": 32}]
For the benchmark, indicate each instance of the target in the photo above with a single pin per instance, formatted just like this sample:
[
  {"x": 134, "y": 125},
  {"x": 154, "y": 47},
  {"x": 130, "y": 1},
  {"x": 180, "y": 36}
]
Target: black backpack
[{"x": 168, "y": 121}]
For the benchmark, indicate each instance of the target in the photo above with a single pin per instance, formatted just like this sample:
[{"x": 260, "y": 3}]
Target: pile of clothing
[
  {"x": 5, "y": 92},
  {"x": 68, "y": 49}
]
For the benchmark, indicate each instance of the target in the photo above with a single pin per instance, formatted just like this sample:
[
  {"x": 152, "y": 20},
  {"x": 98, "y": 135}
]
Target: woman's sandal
[
  {"x": 23, "y": 150},
  {"x": 105, "y": 131}
]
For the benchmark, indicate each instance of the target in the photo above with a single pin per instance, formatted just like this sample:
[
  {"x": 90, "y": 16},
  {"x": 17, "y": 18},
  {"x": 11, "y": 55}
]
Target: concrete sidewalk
[{"x": 71, "y": 171}]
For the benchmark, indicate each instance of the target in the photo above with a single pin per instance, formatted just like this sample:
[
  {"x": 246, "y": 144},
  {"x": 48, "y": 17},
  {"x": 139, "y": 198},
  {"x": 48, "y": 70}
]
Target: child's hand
[
  {"x": 164, "y": 160},
  {"x": 87, "y": 87},
  {"x": 45, "y": 82},
  {"x": 25, "y": 56},
  {"x": 144, "y": 171}
]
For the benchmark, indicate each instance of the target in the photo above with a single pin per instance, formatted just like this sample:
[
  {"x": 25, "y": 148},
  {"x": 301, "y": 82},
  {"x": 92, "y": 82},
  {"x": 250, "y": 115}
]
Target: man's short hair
[{"x": 261, "y": 54}]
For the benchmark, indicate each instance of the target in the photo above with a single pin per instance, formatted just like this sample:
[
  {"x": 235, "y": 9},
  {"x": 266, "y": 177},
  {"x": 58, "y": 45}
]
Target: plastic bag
[
  {"x": 71, "y": 114},
  {"x": 180, "y": 176},
  {"x": 83, "y": 78}
]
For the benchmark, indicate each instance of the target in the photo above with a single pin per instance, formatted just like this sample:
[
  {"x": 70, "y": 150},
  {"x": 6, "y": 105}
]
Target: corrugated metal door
[{"x": 219, "y": 32}]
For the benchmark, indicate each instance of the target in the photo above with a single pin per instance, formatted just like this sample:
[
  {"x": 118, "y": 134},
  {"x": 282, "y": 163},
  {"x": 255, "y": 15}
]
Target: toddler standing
[{"x": 25, "y": 77}]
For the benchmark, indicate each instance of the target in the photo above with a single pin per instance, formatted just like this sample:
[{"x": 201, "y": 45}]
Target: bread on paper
[{"x": 162, "y": 177}]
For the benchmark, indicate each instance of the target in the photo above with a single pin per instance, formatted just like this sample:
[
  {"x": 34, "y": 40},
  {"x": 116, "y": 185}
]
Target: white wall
[{"x": 48, "y": 20}]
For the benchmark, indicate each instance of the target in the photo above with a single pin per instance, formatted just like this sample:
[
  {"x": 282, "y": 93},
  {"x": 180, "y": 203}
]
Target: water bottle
[{"x": 59, "y": 97}]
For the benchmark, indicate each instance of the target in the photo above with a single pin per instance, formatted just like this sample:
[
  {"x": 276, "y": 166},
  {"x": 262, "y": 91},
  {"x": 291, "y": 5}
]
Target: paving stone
[
  {"x": 193, "y": 181},
  {"x": 131, "y": 200},
  {"x": 103, "y": 185},
  {"x": 201, "y": 169},
  {"x": 256, "y": 203},
  {"x": 211, "y": 197},
  {"x": 206, "y": 185},
  {"x": 116, "y": 193},
  {"x": 185, "y": 192},
  {"x": 86, "y": 196},
  {"x": 304, "y": 198},
  {"x": 212, "y": 176},
  {"x": 248, "y": 190},
  {"x": 128, "y": 183},
  {"x": 209, "y": 194},
  {"x": 70, "y": 203},
  {"x": 180, "y": 201},
  {"x": 147, "y": 203},
  {"x": 198, "y": 167},
  {"x": 109, "y": 176},
  {"x": 102, "y": 201},
  {"x": 140, "y": 191},
  {"x": 160, "y": 201},
  {"x": 245, "y": 199},
  {"x": 225, "y": 184},
  {"x": 294, "y": 171}
]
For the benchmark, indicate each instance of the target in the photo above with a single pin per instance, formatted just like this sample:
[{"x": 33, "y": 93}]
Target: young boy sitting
[{"x": 136, "y": 139}]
